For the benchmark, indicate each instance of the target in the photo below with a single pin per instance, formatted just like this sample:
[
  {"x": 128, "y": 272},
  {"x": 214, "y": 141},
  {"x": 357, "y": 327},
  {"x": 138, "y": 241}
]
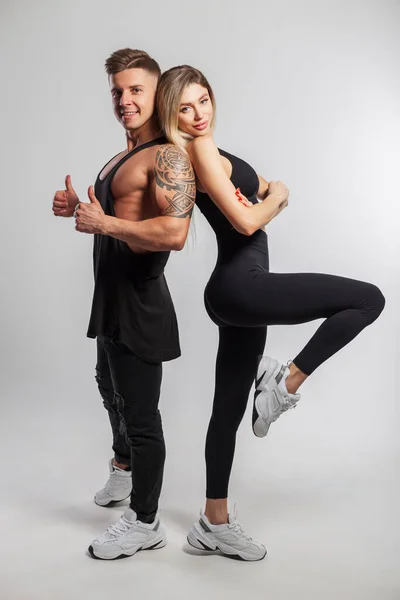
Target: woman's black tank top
[
  {"x": 131, "y": 300},
  {"x": 228, "y": 239}
]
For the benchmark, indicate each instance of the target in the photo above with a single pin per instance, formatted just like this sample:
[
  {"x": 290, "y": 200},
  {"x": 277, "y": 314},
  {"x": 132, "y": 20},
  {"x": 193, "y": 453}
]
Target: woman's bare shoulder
[{"x": 200, "y": 144}]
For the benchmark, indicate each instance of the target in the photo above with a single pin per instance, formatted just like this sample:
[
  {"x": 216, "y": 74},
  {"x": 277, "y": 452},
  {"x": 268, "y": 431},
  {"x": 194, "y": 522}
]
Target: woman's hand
[
  {"x": 242, "y": 199},
  {"x": 278, "y": 193},
  {"x": 277, "y": 188}
]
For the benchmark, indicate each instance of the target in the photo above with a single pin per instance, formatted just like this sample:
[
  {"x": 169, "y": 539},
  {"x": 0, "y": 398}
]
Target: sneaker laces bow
[
  {"x": 289, "y": 403},
  {"x": 237, "y": 528},
  {"x": 119, "y": 527}
]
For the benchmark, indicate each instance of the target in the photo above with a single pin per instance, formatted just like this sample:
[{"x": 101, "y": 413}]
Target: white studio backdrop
[{"x": 308, "y": 93}]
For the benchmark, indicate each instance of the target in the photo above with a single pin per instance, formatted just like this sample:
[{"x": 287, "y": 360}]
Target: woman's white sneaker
[
  {"x": 230, "y": 539},
  {"x": 127, "y": 537},
  {"x": 117, "y": 488},
  {"x": 271, "y": 397}
]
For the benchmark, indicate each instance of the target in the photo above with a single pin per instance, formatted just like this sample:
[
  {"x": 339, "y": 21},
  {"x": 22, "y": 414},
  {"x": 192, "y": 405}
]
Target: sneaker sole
[
  {"x": 111, "y": 502},
  {"x": 156, "y": 546},
  {"x": 195, "y": 542},
  {"x": 260, "y": 427},
  {"x": 262, "y": 379}
]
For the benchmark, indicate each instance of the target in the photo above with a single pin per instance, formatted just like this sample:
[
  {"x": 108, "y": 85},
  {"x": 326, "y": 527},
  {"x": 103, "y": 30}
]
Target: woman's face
[{"x": 195, "y": 111}]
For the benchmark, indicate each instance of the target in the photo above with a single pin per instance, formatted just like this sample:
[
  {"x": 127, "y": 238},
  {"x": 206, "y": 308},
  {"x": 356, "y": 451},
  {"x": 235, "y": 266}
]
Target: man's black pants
[{"x": 130, "y": 389}]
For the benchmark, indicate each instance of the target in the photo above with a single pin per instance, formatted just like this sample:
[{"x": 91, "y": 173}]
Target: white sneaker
[
  {"x": 127, "y": 537},
  {"x": 271, "y": 397},
  {"x": 229, "y": 538},
  {"x": 117, "y": 488}
]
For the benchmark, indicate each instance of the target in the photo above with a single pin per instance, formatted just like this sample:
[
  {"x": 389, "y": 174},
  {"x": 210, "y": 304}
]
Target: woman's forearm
[{"x": 257, "y": 216}]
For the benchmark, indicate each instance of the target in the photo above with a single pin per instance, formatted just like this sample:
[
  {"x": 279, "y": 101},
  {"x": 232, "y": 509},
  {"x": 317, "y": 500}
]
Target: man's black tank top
[
  {"x": 229, "y": 240},
  {"x": 131, "y": 300}
]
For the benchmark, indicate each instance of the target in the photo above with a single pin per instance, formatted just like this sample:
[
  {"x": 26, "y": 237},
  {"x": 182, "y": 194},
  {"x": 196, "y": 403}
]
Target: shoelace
[
  {"x": 237, "y": 528},
  {"x": 120, "y": 526},
  {"x": 287, "y": 404}
]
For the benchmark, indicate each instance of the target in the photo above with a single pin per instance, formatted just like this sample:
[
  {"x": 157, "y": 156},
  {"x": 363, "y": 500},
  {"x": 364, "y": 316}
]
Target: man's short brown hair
[{"x": 129, "y": 58}]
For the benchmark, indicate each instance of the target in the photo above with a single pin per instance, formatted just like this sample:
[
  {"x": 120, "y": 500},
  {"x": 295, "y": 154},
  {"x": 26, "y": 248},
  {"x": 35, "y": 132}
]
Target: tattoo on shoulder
[{"x": 174, "y": 173}]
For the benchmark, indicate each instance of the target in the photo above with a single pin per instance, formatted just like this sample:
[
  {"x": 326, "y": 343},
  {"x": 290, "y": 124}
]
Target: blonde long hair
[{"x": 171, "y": 85}]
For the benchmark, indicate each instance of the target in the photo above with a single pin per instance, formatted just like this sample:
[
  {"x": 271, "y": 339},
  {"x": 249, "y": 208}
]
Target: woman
[{"x": 242, "y": 297}]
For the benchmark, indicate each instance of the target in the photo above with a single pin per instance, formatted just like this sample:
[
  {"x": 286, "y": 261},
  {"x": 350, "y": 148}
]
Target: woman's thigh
[{"x": 264, "y": 298}]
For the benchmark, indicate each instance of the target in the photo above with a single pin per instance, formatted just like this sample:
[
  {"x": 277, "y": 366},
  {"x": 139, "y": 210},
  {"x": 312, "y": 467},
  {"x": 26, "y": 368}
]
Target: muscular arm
[
  {"x": 214, "y": 180},
  {"x": 175, "y": 193}
]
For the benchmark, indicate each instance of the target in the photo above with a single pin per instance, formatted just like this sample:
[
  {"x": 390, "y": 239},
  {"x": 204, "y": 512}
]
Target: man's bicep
[{"x": 175, "y": 182}]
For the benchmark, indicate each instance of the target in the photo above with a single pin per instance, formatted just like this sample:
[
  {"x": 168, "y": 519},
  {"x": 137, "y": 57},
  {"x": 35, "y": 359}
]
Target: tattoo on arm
[{"x": 174, "y": 173}]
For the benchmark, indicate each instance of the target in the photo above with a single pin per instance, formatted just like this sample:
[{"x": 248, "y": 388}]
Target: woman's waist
[{"x": 252, "y": 248}]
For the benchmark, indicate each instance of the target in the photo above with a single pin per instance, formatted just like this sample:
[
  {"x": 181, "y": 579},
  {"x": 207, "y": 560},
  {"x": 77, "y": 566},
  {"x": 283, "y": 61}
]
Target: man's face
[{"x": 133, "y": 92}]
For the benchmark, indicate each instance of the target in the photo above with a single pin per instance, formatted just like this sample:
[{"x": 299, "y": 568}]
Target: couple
[{"x": 139, "y": 210}]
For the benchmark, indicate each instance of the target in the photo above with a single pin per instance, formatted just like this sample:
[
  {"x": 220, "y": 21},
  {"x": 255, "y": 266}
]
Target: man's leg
[
  {"x": 122, "y": 453},
  {"x": 137, "y": 391},
  {"x": 119, "y": 484}
]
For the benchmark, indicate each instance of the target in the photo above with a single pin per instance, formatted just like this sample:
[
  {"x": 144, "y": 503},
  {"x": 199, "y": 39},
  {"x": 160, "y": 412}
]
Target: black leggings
[{"x": 242, "y": 298}]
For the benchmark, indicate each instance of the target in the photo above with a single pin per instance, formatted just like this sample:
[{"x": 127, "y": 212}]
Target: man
[{"x": 139, "y": 210}]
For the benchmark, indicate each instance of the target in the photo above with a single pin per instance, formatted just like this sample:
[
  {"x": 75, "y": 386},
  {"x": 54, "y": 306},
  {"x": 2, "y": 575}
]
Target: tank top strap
[{"x": 157, "y": 141}]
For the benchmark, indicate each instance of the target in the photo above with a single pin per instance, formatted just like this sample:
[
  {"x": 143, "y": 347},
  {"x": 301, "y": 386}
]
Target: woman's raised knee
[{"x": 376, "y": 302}]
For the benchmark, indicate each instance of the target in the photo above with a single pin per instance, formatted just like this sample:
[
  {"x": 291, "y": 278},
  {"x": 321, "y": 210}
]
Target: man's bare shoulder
[
  {"x": 164, "y": 155},
  {"x": 136, "y": 168},
  {"x": 170, "y": 161},
  {"x": 162, "y": 164},
  {"x": 175, "y": 184}
]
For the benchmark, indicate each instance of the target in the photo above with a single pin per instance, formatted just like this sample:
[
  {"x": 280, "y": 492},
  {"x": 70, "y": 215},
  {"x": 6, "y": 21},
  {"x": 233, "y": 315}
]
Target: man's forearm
[{"x": 154, "y": 235}]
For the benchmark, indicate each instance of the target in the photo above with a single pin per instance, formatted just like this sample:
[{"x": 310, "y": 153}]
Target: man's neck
[{"x": 150, "y": 131}]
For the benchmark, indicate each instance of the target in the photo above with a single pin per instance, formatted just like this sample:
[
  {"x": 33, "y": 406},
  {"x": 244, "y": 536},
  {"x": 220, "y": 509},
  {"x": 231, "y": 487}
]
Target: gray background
[{"x": 308, "y": 93}]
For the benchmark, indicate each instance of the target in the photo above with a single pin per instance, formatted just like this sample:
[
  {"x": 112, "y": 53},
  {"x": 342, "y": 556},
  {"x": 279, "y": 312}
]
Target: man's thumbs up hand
[{"x": 89, "y": 216}]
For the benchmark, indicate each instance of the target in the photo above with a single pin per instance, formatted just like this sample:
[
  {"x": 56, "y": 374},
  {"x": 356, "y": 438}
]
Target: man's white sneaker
[
  {"x": 127, "y": 537},
  {"x": 229, "y": 538},
  {"x": 271, "y": 397},
  {"x": 117, "y": 488}
]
